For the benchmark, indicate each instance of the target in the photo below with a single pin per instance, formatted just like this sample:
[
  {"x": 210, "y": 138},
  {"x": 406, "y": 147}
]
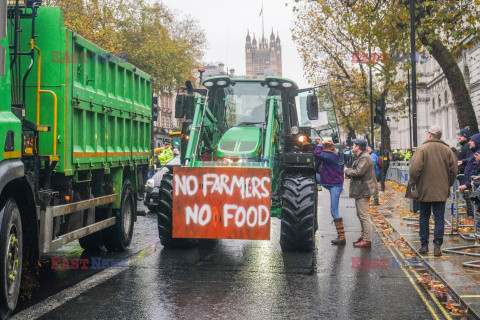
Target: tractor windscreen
[{"x": 241, "y": 104}]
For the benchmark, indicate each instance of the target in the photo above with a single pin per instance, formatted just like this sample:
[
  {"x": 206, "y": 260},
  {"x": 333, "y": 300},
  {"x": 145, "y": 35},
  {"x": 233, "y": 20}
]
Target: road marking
[
  {"x": 415, "y": 285},
  {"x": 43, "y": 307},
  {"x": 471, "y": 296}
]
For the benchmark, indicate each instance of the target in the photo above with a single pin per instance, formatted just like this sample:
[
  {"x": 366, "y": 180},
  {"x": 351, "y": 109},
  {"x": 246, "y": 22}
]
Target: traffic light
[
  {"x": 379, "y": 111},
  {"x": 154, "y": 108}
]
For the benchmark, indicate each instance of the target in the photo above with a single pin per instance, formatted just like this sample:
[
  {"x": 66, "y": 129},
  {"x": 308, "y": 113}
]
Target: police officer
[{"x": 165, "y": 155}]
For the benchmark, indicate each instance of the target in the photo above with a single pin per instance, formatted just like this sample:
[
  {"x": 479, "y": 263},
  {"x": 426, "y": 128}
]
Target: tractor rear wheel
[
  {"x": 165, "y": 214},
  {"x": 299, "y": 209}
]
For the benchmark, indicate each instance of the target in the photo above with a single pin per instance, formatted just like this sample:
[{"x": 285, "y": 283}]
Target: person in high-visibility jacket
[
  {"x": 165, "y": 156},
  {"x": 408, "y": 155}
]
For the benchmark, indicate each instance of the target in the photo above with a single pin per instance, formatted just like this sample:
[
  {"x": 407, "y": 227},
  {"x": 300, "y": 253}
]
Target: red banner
[{"x": 221, "y": 203}]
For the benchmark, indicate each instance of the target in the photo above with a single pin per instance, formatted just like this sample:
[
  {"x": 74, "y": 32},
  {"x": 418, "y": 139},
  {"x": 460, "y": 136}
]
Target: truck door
[{"x": 3, "y": 34}]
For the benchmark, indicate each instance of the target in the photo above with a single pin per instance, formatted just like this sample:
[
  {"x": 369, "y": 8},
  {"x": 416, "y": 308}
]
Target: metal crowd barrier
[
  {"x": 398, "y": 171},
  {"x": 459, "y": 201},
  {"x": 476, "y": 245}
]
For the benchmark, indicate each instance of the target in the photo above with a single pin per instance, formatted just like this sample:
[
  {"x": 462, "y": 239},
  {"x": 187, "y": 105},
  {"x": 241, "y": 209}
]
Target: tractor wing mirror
[
  {"x": 189, "y": 106},
  {"x": 312, "y": 107},
  {"x": 180, "y": 106}
]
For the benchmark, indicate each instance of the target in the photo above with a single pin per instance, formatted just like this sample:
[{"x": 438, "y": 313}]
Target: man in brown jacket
[
  {"x": 362, "y": 186},
  {"x": 433, "y": 170}
]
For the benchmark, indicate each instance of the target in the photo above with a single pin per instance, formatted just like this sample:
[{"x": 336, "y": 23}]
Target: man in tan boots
[{"x": 362, "y": 186}]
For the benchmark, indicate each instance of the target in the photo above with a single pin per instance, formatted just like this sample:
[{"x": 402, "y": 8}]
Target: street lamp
[{"x": 414, "y": 72}]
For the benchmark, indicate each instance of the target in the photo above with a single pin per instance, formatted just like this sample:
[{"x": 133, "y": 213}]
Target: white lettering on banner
[
  {"x": 231, "y": 187},
  {"x": 267, "y": 215},
  {"x": 191, "y": 214},
  {"x": 255, "y": 218},
  {"x": 185, "y": 184},
  {"x": 240, "y": 217},
  {"x": 202, "y": 216},
  {"x": 204, "y": 220},
  {"x": 226, "y": 214}
]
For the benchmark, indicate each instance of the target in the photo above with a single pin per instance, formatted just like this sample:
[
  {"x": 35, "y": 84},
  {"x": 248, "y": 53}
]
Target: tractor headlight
[
  {"x": 302, "y": 139},
  {"x": 294, "y": 130}
]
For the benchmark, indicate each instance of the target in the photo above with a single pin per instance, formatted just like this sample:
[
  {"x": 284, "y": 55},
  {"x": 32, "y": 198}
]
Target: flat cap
[
  {"x": 435, "y": 129},
  {"x": 360, "y": 142}
]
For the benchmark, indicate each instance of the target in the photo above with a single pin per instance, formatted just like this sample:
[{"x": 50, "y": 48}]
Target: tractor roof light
[
  {"x": 208, "y": 84},
  {"x": 273, "y": 84},
  {"x": 286, "y": 85},
  {"x": 221, "y": 83}
]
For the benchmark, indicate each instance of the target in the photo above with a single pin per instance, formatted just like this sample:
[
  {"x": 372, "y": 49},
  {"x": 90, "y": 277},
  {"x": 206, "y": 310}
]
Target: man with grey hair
[{"x": 433, "y": 170}]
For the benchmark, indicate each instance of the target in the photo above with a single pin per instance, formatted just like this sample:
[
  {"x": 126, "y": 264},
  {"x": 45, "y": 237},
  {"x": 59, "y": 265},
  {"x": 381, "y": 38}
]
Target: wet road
[{"x": 231, "y": 279}]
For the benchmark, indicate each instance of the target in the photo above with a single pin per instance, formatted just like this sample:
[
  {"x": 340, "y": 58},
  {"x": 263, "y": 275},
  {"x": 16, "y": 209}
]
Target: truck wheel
[
  {"x": 92, "y": 242},
  {"x": 119, "y": 236},
  {"x": 299, "y": 208},
  {"x": 11, "y": 245},
  {"x": 164, "y": 215}
]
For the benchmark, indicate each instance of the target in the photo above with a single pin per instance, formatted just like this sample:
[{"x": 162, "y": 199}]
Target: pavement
[
  {"x": 237, "y": 279},
  {"x": 463, "y": 282}
]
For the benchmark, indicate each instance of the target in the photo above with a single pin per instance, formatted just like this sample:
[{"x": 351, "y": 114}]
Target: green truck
[{"x": 75, "y": 127}]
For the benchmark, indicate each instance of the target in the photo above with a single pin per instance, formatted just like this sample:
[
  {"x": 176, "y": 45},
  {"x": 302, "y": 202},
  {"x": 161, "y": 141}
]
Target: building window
[
  {"x": 433, "y": 104},
  {"x": 446, "y": 97}
]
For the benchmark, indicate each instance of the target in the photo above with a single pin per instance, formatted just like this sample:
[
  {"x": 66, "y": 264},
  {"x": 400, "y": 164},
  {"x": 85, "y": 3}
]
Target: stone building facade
[
  {"x": 435, "y": 103},
  {"x": 166, "y": 121},
  {"x": 263, "y": 56}
]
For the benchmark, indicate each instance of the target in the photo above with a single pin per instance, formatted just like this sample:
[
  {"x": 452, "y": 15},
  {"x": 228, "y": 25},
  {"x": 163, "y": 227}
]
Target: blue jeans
[
  {"x": 334, "y": 199},
  {"x": 426, "y": 209}
]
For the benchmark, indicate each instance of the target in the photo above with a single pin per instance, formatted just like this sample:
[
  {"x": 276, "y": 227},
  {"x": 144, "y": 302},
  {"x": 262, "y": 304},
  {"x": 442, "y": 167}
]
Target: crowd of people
[{"x": 433, "y": 170}]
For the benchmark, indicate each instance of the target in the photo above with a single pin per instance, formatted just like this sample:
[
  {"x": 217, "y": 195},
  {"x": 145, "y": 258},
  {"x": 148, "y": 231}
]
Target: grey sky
[{"x": 226, "y": 22}]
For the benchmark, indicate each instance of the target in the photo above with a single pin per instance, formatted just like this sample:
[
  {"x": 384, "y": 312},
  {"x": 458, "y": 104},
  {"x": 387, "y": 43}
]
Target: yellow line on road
[
  {"x": 414, "y": 284},
  {"x": 470, "y": 296}
]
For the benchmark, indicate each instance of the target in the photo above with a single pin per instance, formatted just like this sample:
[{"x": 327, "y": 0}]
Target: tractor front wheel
[
  {"x": 299, "y": 210},
  {"x": 165, "y": 214}
]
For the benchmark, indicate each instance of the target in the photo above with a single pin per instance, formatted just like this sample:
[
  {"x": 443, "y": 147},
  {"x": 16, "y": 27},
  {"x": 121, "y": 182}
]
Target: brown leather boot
[{"x": 340, "y": 232}]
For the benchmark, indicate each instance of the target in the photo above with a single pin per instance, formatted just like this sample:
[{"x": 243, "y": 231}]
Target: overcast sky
[{"x": 226, "y": 22}]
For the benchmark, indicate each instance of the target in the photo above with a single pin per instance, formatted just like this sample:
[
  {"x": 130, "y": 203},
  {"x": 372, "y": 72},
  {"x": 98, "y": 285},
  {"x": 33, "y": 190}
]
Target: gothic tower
[{"x": 264, "y": 59}]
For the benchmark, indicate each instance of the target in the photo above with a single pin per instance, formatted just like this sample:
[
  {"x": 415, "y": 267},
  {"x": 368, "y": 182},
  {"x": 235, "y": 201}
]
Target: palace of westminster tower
[{"x": 265, "y": 59}]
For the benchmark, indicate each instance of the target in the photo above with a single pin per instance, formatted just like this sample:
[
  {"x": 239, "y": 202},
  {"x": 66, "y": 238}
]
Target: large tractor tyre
[
  {"x": 119, "y": 236},
  {"x": 299, "y": 208},
  {"x": 164, "y": 216},
  {"x": 11, "y": 245}
]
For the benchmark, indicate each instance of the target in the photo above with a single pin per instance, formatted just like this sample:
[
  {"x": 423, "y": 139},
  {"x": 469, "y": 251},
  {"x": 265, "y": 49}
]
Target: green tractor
[{"x": 247, "y": 155}]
